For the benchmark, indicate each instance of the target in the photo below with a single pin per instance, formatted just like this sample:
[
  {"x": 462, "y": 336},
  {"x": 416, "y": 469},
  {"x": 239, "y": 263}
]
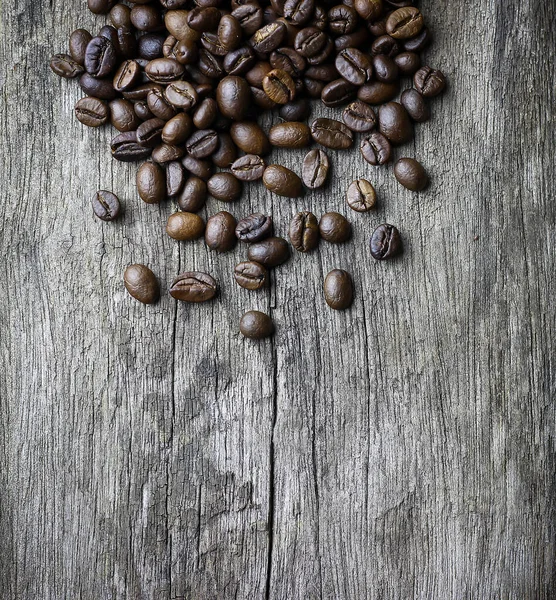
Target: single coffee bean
[
  {"x": 233, "y": 96},
  {"x": 64, "y": 66},
  {"x": 361, "y": 196},
  {"x": 251, "y": 275},
  {"x": 141, "y": 92},
  {"x": 405, "y": 23},
  {"x": 151, "y": 183},
  {"x": 376, "y": 149},
  {"x": 282, "y": 181},
  {"x": 298, "y": 110},
  {"x": 378, "y": 92},
  {"x": 97, "y": 88},
  {"x": 269, "y": 37},
  {"x": 408, "y": 62},
  {"x": 149, "y": 133},
  {"x": 288, "y": 60},
  {"x": 334, "y": 228},
  {"x": 315, "y": 169},
  {"x": 416, "y": 106},
  {"x": 385, "y": 242},
  {"x": 429, "y": 82},
  {"x": 326, "y": 72},
  {"x": 331, "y": 134},
  {"x": 220, "y": 232},
  {"x": 230, "y": 32},
  {"x": 175, "y": 178},
  {"x": 310, "y": 42},
  {"x": 78, "y": 42},
  {"x": 146, "y": 18},
  {"x": 298, "y": 12},
  {"x": 239, "y": 61},
  {"x": 142, "y": 110},
  {"x": 92, "y": 111},
  {"x": 224, "y": 187},
  {"x": 419, "y": 42},
  {"x": 165, "y": 153},
  {"x": 337, "y": 93},
  {"x": 387, "y": 45},
  {"x": 185, "y": 226},
  {"x": 181, "y": 94},
  {"x": 250, "y": 17},
  {"x": 122, "y": 115},
  {"x": 226, "y": 153},
  {"x": 304, "y": 231},
  {"x": 359, "y": 117},
  {"x": 254, "y": 228},
  {"x": 106, "y": 205},
  {"x": 205, "y": 114},
  {"x": 193, "y": 195},
  {"x": 249, "y": 137},
  {"x": 127, "y": 75},
  {"x": 177, "y": 129},
  {"x": 270, "y": 252},
  {"x": 202, "y": 143},
  {"x": 100, "y": 57},
  {"x": 342, "y": 20},
  {"x": 411, "y": 174},
  {"x": 368, "y": 10},
  {"x": 290, "y": 135},
  {"x": 120, "y": 16},
  {"x": 198, "y": 167},
  {"x": 141, "y": 283},
  {"x": 385, "y": 69},
  {"x": 164, "y": 70},
  {"x": 159, "y": 106},
  {"x": 354, "y": 66},
  {"x": 176, "y": 24},
  {"x": 203, "y": 19},
  {"x": 394, "y": 123},
  {"x": 338, "y": 289},
  {"x": 126, "y": 148},
  {"x": 256, "y": 325},
  {"x": 248, "y": 168},
  {"x": 193, "y": 286},
  {"x": 279, "y": 86}
]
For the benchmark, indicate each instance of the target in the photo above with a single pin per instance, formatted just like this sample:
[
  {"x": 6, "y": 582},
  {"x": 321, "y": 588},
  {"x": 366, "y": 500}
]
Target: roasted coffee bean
[
  {"x": 193, "y": 196},
  {"x": 210, "y": 65},
  {"x": 342, "y": 19},
  {"x": 202, "y": 143},
  {"x": 92, "y": 111},
  {"x": 429, "y": 82},
  {"x": 416, "y": 106},
  {"x": 394, "y": 123},
  {"x": 376, "y": 149},
  {"x": 338, "y": 289},
  {"x": 359, "y": 117},
  {"x": 337, "y": 93},
  {"x": 315, "y": 169},
  {"x": 361, "y": 196},
  {"x": 253, "y": 228},
  {"x": 269, "y": 37},
  {"x": 230, "y": 33},
  {"x": 225, "y": 187},
  {"x": 298, "y": 110},
  {"x": 151, "y": 183},
  {"x": 239, "y": 61},
  {"x": 150, "y": 46},
  {"x": 408, "y": 63},
  {"x": 298, "y": 12},
  {"x": 256, "y": 325},
  {"x": 141, "y": 283},
  {"x": 175, "y": 178},
  {"x": 304, "y": 231},
  {"x": 146, "y": 18},
  {"x": 310, "y": 42},
  {"x": 185, "y": 226},
  {"x": 411, "y": 174},
  {"x": 198, "y": 167},
  {"x": 354, "y": 66},
  {"x": 357, "y": 39},
  {"x": 100, "y": 57},
  {"x": 385, "y": 242},
  {"x": 220, "y": 232},
  {"x": 279, "y": 86},
  {"x": 226, "y": 152},
  {"x": 97, "y": 88},
  {"x": 106, "y": 205},
  {"x": 149, "y": 133},
  {"x": 142, "y": 110},
  {"x": 141, "y": 92},
  {"x": 256, "y": 74},
  {"x": 110, "y": 33},
  {"x": 331, "y": 134},
  {"x": 327, "y": 72},
  {"x": 233, "y": 96},
  {"x": 419, "y": 42},
  {"x": 282, "y": 181},
  {"x": 270, "y": 252},
  {"x": 122, "y": 115},
  {"x": 378, "y": 92},
  {"x": 405, "y": 23},
  {"x": 248, "y": 168},
  {"x": 164, "y": 70},
  {"x": 249, "y": 16},
  {"x": 177, "y": 129},
  {"x": 64, "y": 66},
  {"x": 193, "y": 286},
  {"x": 126, "y": 148},
  {"x": 159, "y": 106},
  {"x": 203, "y": 19},
  {"x": 250, "y": 138},
  {"x": 368, "y": 10},
  {"x": 387, "y": 45},
  {"x": 386, "y": 70},
  {"x": 315, "y": 88},
  {"x": 181, "y": 94},
  {"x": 176, "y": 24},
  {"x": 288, "y": 60},
  {"x": 186, "y": 53},
  {"x": 290, "y": 135},
  {"x": 165, "y": 153},
  {"x": 120, "y": 16},
  {"x": 127, "y": 75},
  {"x": 251, "y": 275},
  {"x": 334, "y": 228},
  {"x": 78, "y": 42}
]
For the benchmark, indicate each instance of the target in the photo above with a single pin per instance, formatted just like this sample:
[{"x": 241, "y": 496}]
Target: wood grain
[{"x": 402, "y": 449}]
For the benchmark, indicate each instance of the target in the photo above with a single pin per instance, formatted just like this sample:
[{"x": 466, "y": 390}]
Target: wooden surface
[{"x": 402, "y": 449}]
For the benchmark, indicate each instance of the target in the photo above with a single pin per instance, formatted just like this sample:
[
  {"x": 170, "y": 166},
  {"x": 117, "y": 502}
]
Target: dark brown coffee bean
[
  {"x": 298, "y": 12},
  {"x": 385, "y": 242},
  {"x": 193, "y": 286},
  {"x": 106, "y": 205},
  {"x": 175, "y": 178},
  {"x": 142, "y": 110},
  {"x": 416, "y": 106},
  {"x": 334, "y": 228},
  {"x": 315, "y": 169},
  {"x": 290, "y": 135},
  {"x": 361, "y": 196},
  {"x": 376, "y": 149},
  {"x": 248, "y": 168},
  {"x": 64, "y": 66},
  {"x": 298, "y": 110},
  {"x": 269, "y": 37},
  {"x": 338, "y": 289},
  {"x": 120, "y": 16},
  {"x": 250, "y": 138},
  {"x": 159, "y": 106},
  {"x": 78, "y": 42},
  {"x": 251, "y": 275},
  {"x": 194, "y": 195},
  {"x": 177, "y": 129},
  {"x": 411, "y": 174},
  {"x": 149, "y": 133},
  {"x": 181, "y": 94},
  {"x": 249, "y": 16},
  {"x": 127, "y": 76},
  {"x": 331, "y": 134},
  {"x": 141, "y": 283},
  {"x": 394, "y": 123},
  {"x": 342, "y": 20},
  {"x": 256, "y": 325},
  {"x": 230, "y": 33},
  {"x": 176, "y": 24},
  {"x": 354, "y": 66},
  {"x": 165, "y": 153},
  {"x": 310, "y": 42},
  {"x": 100, "y": 57},
  {"x": 122, "y": 115},
  {"x": 203, "y": 19},
  {"x": 378, "y": 92},
  {"x": 185, "y": 226},
  {"x": 92, "y": 111},
  {"x": 141, "y": 92},
  {"x": 164, "y": 70},
  {"x": 419, "y": 42},
  {"x": 279, "y": 86},
  {"x": 126, "y": 148},
  {"x": 239, "y": 61},
  {"x": 233, "y": 96},
  {"x": 387, "y": 45},
  {"x": 97, "y": 88},
  {"x": 270, "y": 252},
  {"x": 368, "y": 10},
  {"x": 151, "y": 183},
  {"x": 202, "y": 143},
  {"x": 198, "y": 167},
  {"x": 226, "y": 152},
  {"x": 146, "y": 18},
  {"x": 357, "y": 39},
  {"x": 304, "y": 232},
  {"x": 288, "y": 60},
  {"x": 220, "y": 232},
  {"x": 282, "y": 181},
  {"x": 386, "y": 70},
  {"x": 150, "y": 46},
  {"x": 253, "y": 228},
  {"x": 408, "y": 62},
  {"x": 337, "y": 93},
  {"x": 359, "y": 117},
  {"x": 256, "y": 74},
  {"x": 224, "y": 187},
  {"x": 405, "y": 23},
  {"x": 429, "y": 82}
]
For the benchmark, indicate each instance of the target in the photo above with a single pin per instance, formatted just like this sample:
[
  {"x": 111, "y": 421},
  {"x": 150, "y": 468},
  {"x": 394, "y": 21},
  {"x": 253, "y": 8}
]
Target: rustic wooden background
[{"x": 402, "y": 449}]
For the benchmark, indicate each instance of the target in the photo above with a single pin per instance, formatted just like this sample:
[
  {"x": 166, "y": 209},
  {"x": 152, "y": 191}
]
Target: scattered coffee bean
[
  {"x": 334, "y": 228},
  {"x": 338, "y": 289},
  {"x": 361, "y": 196},
  {"x": 359, "y": 117},
  {"x": 416, "y": 106},
  {"x": 185, "y": 226},
  {"x": 411, "y": 174},
  {"x": 225, "y": 187},
  {"x": 193, "y": 286},
  {"x": 106, "y": 205},
  {"x": 270, "y": 252},
  {"x": 251, "y": 275},
  {"x": 282, "y": 181},
  {"x": 92, "y": 111},
  {"x": 304, "y": 232},
  {"x": 290, "y": 134},
  {"x": 376, "y": 149},
  {"x": 220, "y": 232},
  {"x": 429, "y": 82},
  {"x": 405, "y": 23},
  {"x": 248, "y": 168},
  {"x": 141, "y": 283},
  {"x": 385, "y": 242},
  {"x": 254, "y": 228},
  {"x": 64, "y": 66},
  {"x": 194, "y": 195},
  {"x": 256, "y": 325},
  {"x": 331, "y": 134},
  {"x": 151, "y": 183},
  {"x": 279, "y": 86},
  {"x": 394, "y": 123},
  {"x": 315, "y": 169}
]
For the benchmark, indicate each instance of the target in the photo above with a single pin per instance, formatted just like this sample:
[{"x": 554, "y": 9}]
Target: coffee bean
[
  {"x": 282, "y": 181},
  {"x": 385, "y": 69},
  {"x": 357, "y": 39},
  {"x": 224, "y": 187},
  {"x": 279, "y": 86},
  {"x": 337, "y": 93},
  {"x": 127, "y": 75},
  {"x": 394, "y": 123},
  {"x": 338, "y": 289},
  {"x": 290, "y": 135},
  {"x": 198, "y": 167},
  {"x": 126, "y": 148},
  {"x": 92, "y": 111},
  {"x": 193, "y": 286},
  {"x": 419, "y": 42},
  {"x": 378, "y": 92},
  {"x": 361, "y": 196},
  {"x": 256, "y": 325},
  {"x": 288, "y": 60},
  {"x": 64, "y": 66},
  {"x": 334, "y": 228},
  {"x": 416, "y": 106},
  {"x": 368, "y": 10},
  {"x": 220, "y": 232},
  {"x": 250, "y": 138},
  {"x": 97, "y": 88},
  {"x": 270, "y": 252},
  {"x": 254, "y": 228},
  {"x": 100, "y": 57},
  {"x": 203, "y": 19},
  {"x": 385, "y": 242},
  {"x": 149, "y": 133},
  {"x": 193, "y": 195},
  {"x": 106, "y": 205},
  {"x": 78, "y": 43},
  {"x": 376, "y": 149},
  {"x": 269, "y": 37},
  {"x": 248, "y": 168},
  {"x": 202, "y": 143},
  {"x": 354, "y": 66},
  {"x": 150, "y": 46},
  {"x": 326, "y": 72},
  {"x": 230, "y": 33},
  {"x": 122, "y": 115},
  {"x": 226, "y": 152},
  {"x": 315, "y": 169},
  {"x": 411, "y": 174},
  {"x": 342, "y": 20},
  {"x": 405, "y": 23},
  {"x": 429, "y": 82},
  {"x": 408, "y": 62},
  {"x": 185, "y": 226},
  {"x": 145, "y": 18},
  {"x": 249, "y": 16},
  {"x": 159, "y": 106},
  {"x": 310, "y": 42},
  {"x": 175, "y": 178},
  {"x": 251, "y": 275},
  {"x": 120, "y": 16},
  {"x": 151, "y": 183},
  {"x": 359, "y": 117},
  {"x": 385, "y": 44},
  {"x": 177, "y": 129},
  {"x": 298, "y": 110},
  {"x": 176, "y": 24},
  {"x": 233, "y": 96},
  {"x": 141, "y": 283},
  {"x": 165, "y": 153},
  {"x": 331, "y": 134},
  {"x": 304, "y": 232}
]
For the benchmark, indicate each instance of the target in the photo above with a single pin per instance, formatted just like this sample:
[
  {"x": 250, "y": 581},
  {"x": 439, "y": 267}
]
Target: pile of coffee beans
[{"x": 183, "y": 83}]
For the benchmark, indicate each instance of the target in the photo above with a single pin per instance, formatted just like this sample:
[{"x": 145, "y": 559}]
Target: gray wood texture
[{"x": 402, "y": 449}]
